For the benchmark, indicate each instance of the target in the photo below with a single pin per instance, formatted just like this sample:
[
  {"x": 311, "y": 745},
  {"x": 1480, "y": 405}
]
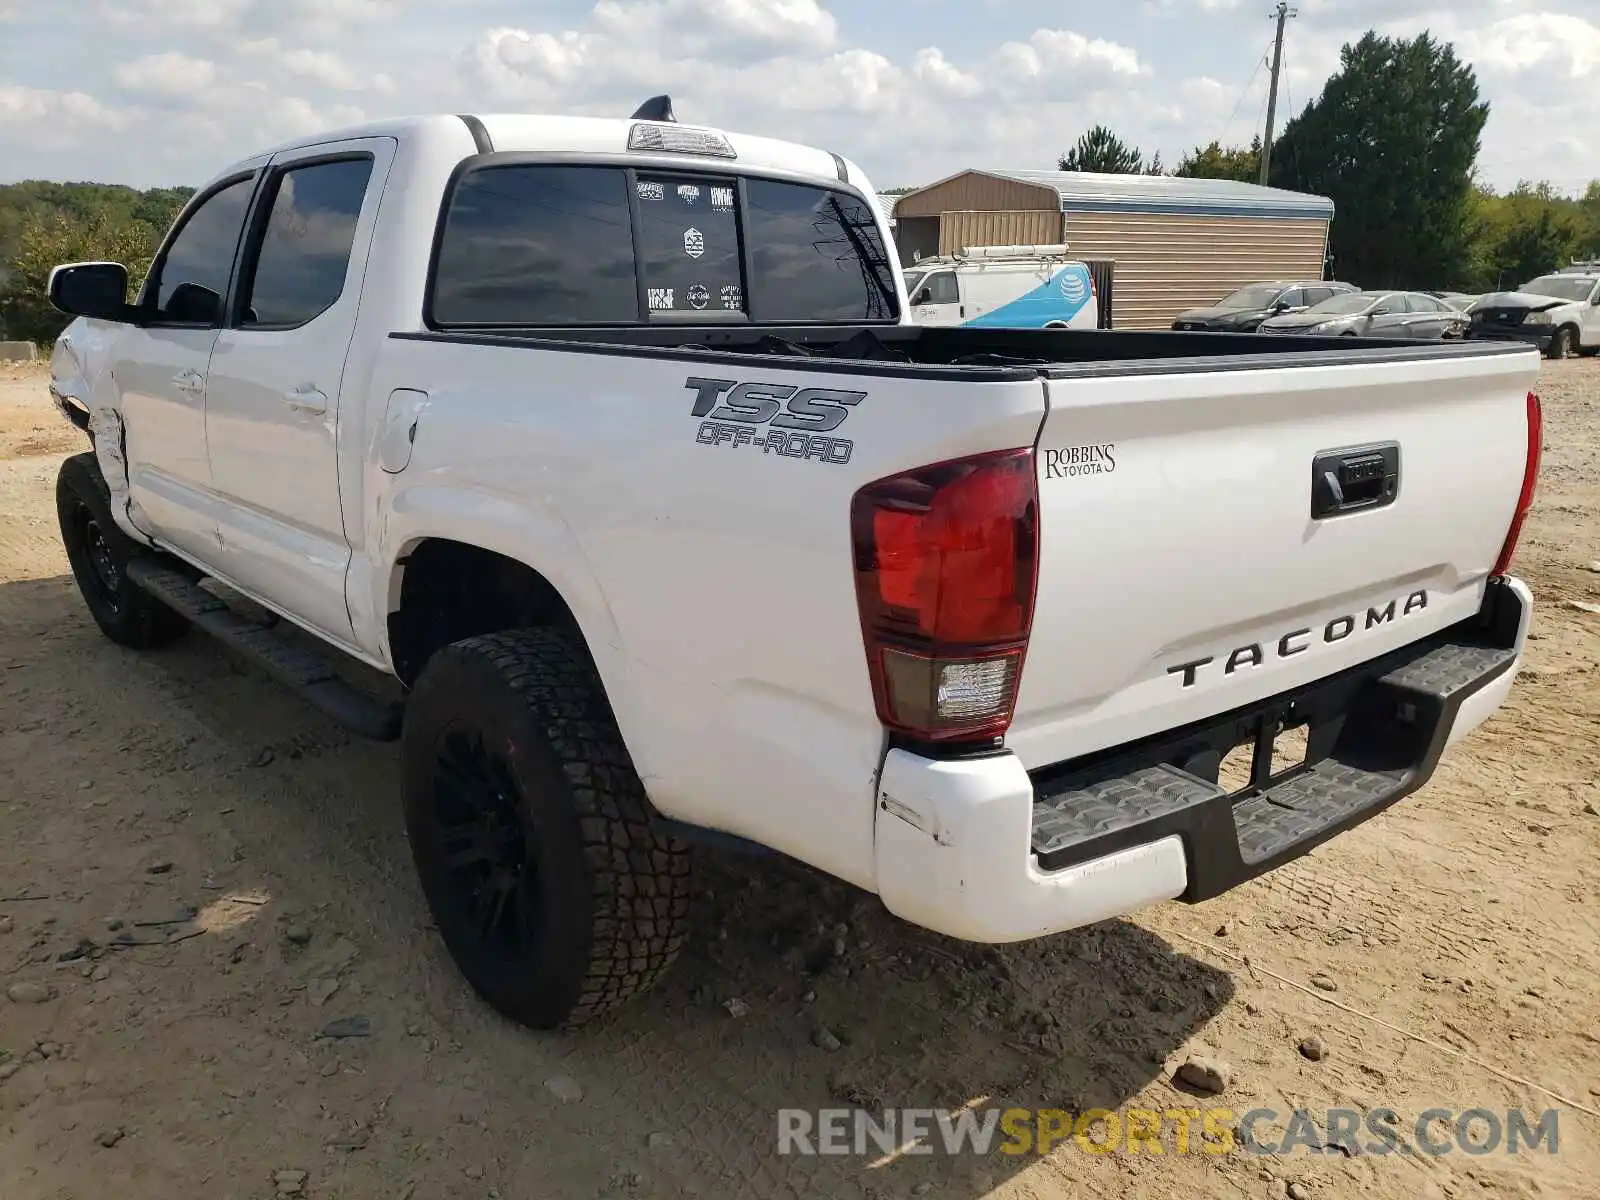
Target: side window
[
  {"x": 304, "y": 256},
  {"x": 1398, "y": 303},
  {"x": 942, "y": 288},
  {"x": 193, "y": 277},
  {"x": 815, "y": 255},
  {"x": 1293, "y": 298},
  {"x": 536, "y": 246},
  {"x": 1318, "y": 295}
]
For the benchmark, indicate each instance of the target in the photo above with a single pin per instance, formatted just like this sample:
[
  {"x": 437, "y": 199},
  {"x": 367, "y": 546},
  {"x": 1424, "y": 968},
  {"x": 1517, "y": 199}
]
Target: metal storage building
[{"x": 1176, "y": 243}]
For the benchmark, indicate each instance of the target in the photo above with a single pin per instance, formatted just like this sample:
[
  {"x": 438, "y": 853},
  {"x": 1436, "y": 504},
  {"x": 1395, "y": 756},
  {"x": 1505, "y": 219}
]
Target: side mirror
[
  {"x": 1381, "y": 312},
  {"x": 98, "y": 290},
  {"x": 920, "y": 296}
]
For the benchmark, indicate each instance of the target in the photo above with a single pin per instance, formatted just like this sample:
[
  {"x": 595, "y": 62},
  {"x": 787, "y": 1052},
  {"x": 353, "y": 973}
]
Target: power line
[
  {"x": 1282, "y": 13},
  {"x": 1261, "y": 61}
]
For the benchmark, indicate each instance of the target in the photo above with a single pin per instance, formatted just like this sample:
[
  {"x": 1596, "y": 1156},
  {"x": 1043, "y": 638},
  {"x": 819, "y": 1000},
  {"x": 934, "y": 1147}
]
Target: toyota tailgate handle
[{"x": 1354, "y": 479}]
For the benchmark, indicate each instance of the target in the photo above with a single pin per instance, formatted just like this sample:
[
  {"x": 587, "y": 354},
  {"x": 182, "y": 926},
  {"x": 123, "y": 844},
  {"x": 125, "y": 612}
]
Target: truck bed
[
  {"x": 985, "y": 354},
  {"x": 1197, "y": 541}
]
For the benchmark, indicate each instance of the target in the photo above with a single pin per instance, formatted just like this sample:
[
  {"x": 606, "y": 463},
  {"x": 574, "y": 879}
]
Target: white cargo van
[{"x": 1006, "y": 287}]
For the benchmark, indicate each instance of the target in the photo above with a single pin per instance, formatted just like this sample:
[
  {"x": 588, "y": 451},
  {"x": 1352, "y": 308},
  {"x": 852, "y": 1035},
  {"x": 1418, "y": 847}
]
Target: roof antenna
[{"x": 657, "y": 108}]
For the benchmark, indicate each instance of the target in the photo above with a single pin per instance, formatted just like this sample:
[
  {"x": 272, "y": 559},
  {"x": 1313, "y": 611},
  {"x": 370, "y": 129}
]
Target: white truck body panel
[
  {"x": 712, "y": 580},
  {"x": 1200, "y": 454}
]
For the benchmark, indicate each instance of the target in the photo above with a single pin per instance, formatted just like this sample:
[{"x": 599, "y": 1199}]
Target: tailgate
[{"x": 1182, "y": 572}]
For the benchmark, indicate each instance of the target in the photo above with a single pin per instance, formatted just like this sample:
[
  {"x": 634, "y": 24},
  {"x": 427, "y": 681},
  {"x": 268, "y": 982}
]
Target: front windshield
[
  {"x": 1251, "y": 297},
  {"x": 1560, "y": 287},
  {"x": 1334, "y": 306}
]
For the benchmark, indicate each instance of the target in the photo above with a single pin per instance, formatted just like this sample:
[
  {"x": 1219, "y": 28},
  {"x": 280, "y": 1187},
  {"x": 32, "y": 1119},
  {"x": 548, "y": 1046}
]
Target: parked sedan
[
  {"x": 1376, "y": 314},
  {"x": 1245, "y": 309},
  {"x": 1457, "y": 300}
]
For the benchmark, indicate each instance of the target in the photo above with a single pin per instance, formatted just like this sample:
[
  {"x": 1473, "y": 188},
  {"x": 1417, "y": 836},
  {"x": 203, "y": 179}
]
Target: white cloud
[
  {"x": 321, "y": 68},
  {"x": 1566, "y": 46},
  {"x": 1060, "y": 54},
  {"x": 930, "y": 67},
  {"x": 190, "y": 84},
  {"x": 32, "y": 110},
  {"x": 169, "y": 76},
  {"x": 741, "y": 29},
  {"x": 165, "y": 16}
]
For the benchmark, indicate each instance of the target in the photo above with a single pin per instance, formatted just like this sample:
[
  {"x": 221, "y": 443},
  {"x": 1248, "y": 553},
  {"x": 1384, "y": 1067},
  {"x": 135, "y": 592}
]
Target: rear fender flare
[{"x": 531, "y": 535}]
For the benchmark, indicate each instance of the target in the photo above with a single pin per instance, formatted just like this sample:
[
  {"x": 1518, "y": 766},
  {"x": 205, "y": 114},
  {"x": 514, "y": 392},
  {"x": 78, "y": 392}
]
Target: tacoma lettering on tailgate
[
  {"x": 1298, "y": 641},
  {"x": 797, "y": 420}
]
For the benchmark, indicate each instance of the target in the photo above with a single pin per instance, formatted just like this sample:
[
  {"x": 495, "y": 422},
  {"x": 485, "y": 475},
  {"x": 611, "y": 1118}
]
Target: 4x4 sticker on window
[{"x": 775, "y": 418}]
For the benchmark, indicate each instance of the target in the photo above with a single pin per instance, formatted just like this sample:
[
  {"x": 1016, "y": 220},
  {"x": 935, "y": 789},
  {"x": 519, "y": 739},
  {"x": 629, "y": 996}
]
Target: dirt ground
[{"x": 200, "y": 880}]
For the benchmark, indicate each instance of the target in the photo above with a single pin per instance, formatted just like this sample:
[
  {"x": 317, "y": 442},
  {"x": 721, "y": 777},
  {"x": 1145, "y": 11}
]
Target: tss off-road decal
[{"x": 797, "y": 421}]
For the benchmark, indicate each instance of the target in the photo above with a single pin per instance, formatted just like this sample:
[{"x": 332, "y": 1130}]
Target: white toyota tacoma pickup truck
[{"x": 611, "y": 440}]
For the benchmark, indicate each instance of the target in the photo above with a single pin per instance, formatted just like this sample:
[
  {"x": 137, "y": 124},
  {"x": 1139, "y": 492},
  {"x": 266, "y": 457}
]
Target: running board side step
[{"x": 302, "y": 671}]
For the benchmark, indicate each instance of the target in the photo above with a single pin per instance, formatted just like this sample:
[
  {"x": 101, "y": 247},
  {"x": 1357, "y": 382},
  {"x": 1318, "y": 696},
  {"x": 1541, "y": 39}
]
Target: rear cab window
[{"x": 540, "y": 245}]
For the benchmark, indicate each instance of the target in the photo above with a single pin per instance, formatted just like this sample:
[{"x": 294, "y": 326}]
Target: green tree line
[
  {"x": 1393, "y": 140},
  {"x": 43, "y": 224}
]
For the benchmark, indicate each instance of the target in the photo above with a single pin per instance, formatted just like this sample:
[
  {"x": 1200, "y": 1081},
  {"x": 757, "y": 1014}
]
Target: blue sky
[{"x": 168, "y": 91}]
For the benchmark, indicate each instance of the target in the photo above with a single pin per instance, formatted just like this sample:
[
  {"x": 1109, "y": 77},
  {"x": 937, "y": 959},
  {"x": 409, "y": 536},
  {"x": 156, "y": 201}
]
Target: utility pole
[{"x": 1282, "y": 13}]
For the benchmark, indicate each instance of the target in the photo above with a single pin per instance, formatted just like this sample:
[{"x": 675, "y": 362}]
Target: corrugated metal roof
[
  {"x": 1081, "y": 191},
  {"x": 887, "y": 203}
]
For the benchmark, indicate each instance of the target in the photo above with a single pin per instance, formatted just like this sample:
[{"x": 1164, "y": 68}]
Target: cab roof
[{"x": 585, "y": 135}]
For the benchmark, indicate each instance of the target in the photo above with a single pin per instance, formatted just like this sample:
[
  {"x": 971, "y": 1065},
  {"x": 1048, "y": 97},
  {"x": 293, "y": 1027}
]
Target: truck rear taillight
[
  {"x": 947, "y": 561},
  {"x": 1530, "y": 482}
]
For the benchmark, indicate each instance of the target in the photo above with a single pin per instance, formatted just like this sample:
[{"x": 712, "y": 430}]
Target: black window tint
[
  {"x": 194, "y": 274},
  {"x": 689, "y": 245},
  {"x": 942, "y": 289},
  {"x": 537, "y": 246},
  {"x": 305, "y": 251},
  {"x": 815, "y": 256}
]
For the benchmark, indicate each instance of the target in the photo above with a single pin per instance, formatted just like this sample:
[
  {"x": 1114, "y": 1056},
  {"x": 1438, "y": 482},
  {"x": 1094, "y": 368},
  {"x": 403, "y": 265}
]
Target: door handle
[
  {"x": 188, "y": 381},
  {"x": 1354, "y": 479},
  {"x": 306, "y": 399}
]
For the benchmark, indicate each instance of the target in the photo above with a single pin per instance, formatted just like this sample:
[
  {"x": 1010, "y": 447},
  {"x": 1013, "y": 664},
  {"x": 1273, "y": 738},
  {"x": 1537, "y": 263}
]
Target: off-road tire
[
  {"x": 608, "y": 892},
  {"x": 99, "y": 553},
  {"x": 1560, "y": 343}
]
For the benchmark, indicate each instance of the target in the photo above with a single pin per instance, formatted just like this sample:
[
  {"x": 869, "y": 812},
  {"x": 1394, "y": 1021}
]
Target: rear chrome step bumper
[{"x": 981, "y": 849}]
